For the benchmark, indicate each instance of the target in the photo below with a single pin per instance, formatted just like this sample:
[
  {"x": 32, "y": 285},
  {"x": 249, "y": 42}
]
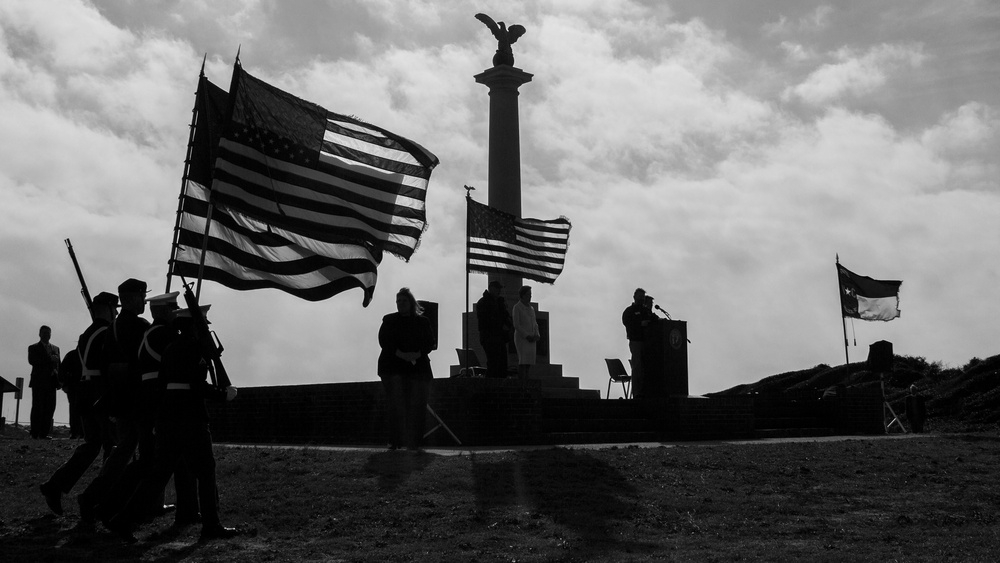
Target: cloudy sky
[{"x": 719, "y": 154}]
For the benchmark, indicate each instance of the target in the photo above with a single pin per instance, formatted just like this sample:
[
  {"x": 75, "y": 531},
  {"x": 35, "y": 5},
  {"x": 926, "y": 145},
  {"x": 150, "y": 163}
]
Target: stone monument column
[{"x": 505, "y": 152}]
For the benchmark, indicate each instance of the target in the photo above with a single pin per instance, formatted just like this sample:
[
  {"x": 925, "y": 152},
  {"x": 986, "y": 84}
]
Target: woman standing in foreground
[
  {"x": 525, "y": 332},
  {"x": 406, "y": 339}
]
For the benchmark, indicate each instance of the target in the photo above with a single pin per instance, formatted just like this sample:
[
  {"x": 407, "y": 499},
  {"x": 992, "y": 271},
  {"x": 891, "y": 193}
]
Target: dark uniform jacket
[
  {"x": 93, "y": 359},
  {"x": 411, "y": 333},
  {"x": 123, "y": 357},
  {"x": 154, "y": 344},
  {"x": 184, "y": 376},
  {"x": 493, "y": 319}
]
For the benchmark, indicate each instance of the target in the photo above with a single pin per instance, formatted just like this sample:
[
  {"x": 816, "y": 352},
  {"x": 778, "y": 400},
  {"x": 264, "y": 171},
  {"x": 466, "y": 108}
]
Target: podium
[{"x": 664, "y": 360}]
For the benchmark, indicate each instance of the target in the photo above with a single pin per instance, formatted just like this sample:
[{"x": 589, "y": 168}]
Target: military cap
[
  {"x": 132, "y": 285},
  {"x": 163, "y": 300},
  {"x": 105, "y": 298}
]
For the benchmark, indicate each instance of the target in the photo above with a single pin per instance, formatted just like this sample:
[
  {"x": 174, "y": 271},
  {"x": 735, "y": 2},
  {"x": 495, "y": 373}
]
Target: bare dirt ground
[{"x": 930, "y": 498}]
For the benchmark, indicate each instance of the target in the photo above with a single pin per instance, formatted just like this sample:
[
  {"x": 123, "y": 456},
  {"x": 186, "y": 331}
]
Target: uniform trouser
[
  {"x": 406, "y": 405},
  {"x": 43, "y": 406},
  {"x": 75, "y": 420},
  {"x": 496, "y": 358},
  {"x": 97, "y": 434},
  {"x": 141, "y": 467},
  {"x": 114, "y": 465},
  {"x": 187, "y": 445},
  {"x": 638, "y": 381}
]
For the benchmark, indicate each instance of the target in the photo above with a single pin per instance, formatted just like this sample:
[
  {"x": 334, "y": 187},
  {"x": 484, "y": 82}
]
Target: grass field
[{"x": 932, "y": 498}]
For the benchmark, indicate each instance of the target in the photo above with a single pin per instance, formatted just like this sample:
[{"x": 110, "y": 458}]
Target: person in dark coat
[
  {"x": 44, "y": 359},
  {"x": 97, "y": 432},
  {"x": 495, "y": 326},
  {"x": 916, "y": 409},
  {"x": 406, "y": 339}
]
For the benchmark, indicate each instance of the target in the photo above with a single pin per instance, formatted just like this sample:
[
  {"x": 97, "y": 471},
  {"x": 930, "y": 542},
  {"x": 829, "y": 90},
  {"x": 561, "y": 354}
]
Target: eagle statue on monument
[{"x": 505, "y": 36}]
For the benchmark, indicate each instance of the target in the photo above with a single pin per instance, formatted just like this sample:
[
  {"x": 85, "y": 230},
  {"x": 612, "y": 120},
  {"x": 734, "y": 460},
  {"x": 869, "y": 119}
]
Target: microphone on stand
[{"x": 660, "y": 309}]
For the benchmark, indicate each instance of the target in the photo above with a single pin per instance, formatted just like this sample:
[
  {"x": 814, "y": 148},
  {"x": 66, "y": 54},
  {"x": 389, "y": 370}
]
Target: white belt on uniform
[
  {"x": 178, "y": 386},
  {"x": 150, "y": 375}
]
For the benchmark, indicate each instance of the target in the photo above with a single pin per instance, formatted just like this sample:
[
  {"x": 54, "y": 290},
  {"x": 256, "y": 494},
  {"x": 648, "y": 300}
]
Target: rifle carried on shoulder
[
  {"x": 211, "y": 347},
  {"x": 83, "y": 283}
]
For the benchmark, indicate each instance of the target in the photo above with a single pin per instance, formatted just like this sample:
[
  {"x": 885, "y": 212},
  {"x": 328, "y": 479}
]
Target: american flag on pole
[
  {"x": 293, "y": 165},
  {"x": 498, "y": 242},
  {"x": 297, "y": 209}
]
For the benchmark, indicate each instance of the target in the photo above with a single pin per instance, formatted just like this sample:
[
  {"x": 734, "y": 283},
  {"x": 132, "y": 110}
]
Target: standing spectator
[
  {"x": 525, "y": 332},
  {"x": 406, "y": 339},
  {"x": 44, "y": 359},
  {"x": 916, "y": 409},
  {"x": 494, "y": 329}
]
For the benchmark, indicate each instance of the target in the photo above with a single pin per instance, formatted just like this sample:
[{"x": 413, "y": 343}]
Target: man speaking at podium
[{"x": 635, "y": 318}]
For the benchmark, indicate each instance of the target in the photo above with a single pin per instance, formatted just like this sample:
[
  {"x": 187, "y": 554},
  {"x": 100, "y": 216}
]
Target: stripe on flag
[
  {"x": 498, "y": 242},
  {"x": 244, "y": 254}
]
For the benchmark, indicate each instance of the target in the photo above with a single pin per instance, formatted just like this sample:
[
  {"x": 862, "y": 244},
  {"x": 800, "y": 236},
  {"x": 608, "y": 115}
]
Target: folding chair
[
  {"x": 617, "y": 374},
  {"x": 470, "y": 364}
]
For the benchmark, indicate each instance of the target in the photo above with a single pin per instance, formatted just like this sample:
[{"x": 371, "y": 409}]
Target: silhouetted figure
[
  {"x": 97, "y": 431},
  {"x": 916, "y": 409},
  {"x": 636, "y": 318},
  {"x": 406, "y": 339},
  {"x": 44, "y": 359},
  {"x": 155, "y": 341},
  {"x": 504, "y": 36},
  {"x": 120, "y": 399},
  {"x": 526, "y": 333},
  {"x": 495, "y": 326},
  {"x": 182, "y": 434}
]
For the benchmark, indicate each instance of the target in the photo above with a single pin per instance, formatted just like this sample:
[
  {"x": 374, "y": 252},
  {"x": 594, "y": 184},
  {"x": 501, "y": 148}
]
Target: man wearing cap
[
  {"x": 495, "y": 326},
  {"x": 96, "y": 427},
  {"x": 121, "y": 397},
  {"x": 182, "y": 433}
]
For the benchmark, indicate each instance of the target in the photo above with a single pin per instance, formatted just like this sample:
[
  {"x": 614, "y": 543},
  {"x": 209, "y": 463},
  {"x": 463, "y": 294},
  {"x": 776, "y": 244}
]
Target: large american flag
[
  {"x": 302, "y": 200},
  {"x": 291, "y": 164},
  {"x": 498, "y": 242}
]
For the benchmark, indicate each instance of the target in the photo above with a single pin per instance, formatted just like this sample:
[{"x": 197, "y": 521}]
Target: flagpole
[
  {"x": 184, "y": 176},
  {"x": 843, "y": 318},
  {"x": 465, "y": 319}
]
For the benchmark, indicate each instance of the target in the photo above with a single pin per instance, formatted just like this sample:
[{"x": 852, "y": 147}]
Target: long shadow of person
[
  {"x": 570, "y": 488},
  {"x": 394, "y": 467}
]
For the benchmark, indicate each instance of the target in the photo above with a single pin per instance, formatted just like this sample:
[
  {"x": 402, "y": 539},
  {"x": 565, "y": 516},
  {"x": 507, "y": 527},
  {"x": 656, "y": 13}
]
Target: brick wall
[
  {"x": 477, "y": 411},
  {"x": 697, "y": 418}
]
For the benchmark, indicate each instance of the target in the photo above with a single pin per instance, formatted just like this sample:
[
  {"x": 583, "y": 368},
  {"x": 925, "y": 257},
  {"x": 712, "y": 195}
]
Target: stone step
[{"x": 569, "y": 393}]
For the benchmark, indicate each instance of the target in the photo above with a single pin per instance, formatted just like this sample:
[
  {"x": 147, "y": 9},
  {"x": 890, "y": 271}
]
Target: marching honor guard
[
  {"x": 93, "y": 382},
  {"x": 182, "y": 433}
]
